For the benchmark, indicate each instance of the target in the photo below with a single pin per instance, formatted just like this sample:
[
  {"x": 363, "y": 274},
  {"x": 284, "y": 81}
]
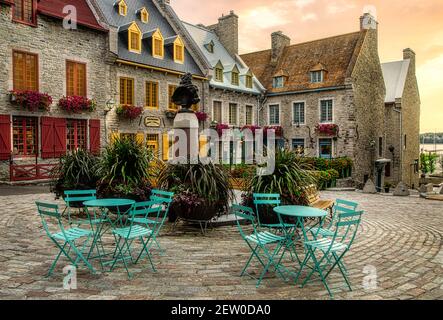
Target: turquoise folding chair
[
  {"x": 75, "y": 199},
  {"x": 273, "y": 200},
  {"x": 64, "y": 237},
  {"x": 341, "y": 206},
  {"x": 125, "y": 237},
  {"x": 265, "y": 246},
  {"x": 328, "y": 253},
  {"x": 154, "y": 219}
]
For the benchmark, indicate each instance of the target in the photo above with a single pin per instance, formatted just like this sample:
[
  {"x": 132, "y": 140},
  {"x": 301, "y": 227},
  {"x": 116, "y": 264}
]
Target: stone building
[
  {"x": 148, "y": 52},
  {"x": 402, "y": 115},
  {"x": 328, "y": 95},
  {"x": 39, "y": 54}
]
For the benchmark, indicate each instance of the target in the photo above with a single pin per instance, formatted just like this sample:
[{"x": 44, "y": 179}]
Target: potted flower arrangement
[
  {"x": 329, "y": 129},
  {"x": 202, "y": 116},
  {"x": 278, "y": 130},
  {"x": 76, "y": 104},
  {"x": 388, "y": 187},
  {"x": 31, "y": 100},
  {"x": 129, "y": 111},
  {"x": 170, "y": 114},
  {"x": 253, "y": 128},
  {"x": 220, "y": 127}
]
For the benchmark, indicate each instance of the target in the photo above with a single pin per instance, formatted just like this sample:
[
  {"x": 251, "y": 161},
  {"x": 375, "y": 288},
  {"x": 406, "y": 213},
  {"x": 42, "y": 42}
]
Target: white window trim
[
  {"x": 279, "y": 114},
  {"x": 253, "y": 113},
  {"x": 298, "y": 138},
  {"x": 238, "y": 113},
  {"x": 293, "y": 113},
  {"x": 333, "y": 110},
  {"x": 221, "y": 111},
  {"x": 332, "y": 146},
  {"x": 322, "y": 76}
]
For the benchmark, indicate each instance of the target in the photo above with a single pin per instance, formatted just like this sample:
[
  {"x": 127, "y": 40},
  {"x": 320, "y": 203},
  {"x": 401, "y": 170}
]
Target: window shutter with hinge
[
  {"x": 47, "y": 140},
  {"x": 59, "y": 137},
  {"x": 94, "y": 136},
  {"x": 5, "y": 137}
]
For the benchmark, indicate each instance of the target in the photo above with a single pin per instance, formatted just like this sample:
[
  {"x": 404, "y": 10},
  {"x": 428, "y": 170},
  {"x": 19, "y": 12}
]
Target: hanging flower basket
[
  {"x": 220, "y": 127},
  {"x": 202, "y": 116},
  {"x": 170, "y": 114},
  {"x": 253, "y": 128},
  {"x": 129, "y": 112},
  {"x": 278, "y": 130},
  {"x": 328, "y": 129},
  {"x": 76, "y": 104},
  {"x": 31, "y": 100}
]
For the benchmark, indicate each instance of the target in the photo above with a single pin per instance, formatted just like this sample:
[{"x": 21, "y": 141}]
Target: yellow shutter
[
  {"x": 165, "y": 147},
  {"x": 140, "y": 138},
  {"x": 202, "y": 142},
  {"x": 114, "y": 136}
]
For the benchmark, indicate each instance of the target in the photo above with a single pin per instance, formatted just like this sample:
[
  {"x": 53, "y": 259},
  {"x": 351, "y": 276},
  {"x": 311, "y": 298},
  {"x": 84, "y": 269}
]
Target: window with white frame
[
  {"x": 298, "y": 145},
  {"x": 326, "y": 111},
  {"x": 249, "y": 115},
  {"x": 274, "y": 114},
  {"x": 298, "y": 113},
  {"x": 278, "y": 82},
  {"x": 217, "y": 111},
  {"x": 233, "y": 114},
  {"x": 316, "y": 76}
]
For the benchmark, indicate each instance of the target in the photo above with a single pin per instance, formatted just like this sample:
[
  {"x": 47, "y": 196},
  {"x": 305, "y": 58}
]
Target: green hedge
[{"x": 343, "y": 165}]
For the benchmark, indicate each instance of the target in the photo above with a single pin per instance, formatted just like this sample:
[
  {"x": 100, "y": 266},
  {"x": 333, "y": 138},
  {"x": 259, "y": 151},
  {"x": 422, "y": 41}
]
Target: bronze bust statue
[{"x": 186, "y": 94}]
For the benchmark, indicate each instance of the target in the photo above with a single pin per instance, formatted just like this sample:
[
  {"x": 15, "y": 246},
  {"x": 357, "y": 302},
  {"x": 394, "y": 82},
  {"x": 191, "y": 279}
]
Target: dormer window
[
  {"x": 144, "y": 15},
  {"x": 134, "y": 38},
  {"x": 278, "y": 82},
  {"x": 179, "y": 50},
  {"x": 24, "y": 11},
  {"x": 122, "y": 8},
  {"x": 316, "y": 76},
  {"x": 218, "y": 72},
  {"x": 234, "y": 78},
  {"x": 210, "y": 46},
  {"x": 249, "y": 81},
  {"x": 158, "y": 50}
]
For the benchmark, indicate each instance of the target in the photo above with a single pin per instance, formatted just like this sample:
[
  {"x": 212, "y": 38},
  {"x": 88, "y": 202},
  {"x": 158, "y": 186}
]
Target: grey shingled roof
[
  {"x": 395, "y": 74},
  {"x": 156, "y": 20}
]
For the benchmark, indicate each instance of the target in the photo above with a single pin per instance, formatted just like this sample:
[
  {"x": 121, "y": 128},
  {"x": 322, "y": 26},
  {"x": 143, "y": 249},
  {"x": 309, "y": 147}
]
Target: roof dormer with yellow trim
[
  {"x": 144, "y": 15},
  {"x": 158, "y": 47},
  {"x": 179, "y": 50},
  {"x": 134, "y": 38},
  {"x": 122, "y": 8}
]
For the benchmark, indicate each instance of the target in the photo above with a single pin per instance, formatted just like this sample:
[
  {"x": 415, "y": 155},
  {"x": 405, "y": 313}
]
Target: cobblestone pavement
[{"x": 400, "y": 240}]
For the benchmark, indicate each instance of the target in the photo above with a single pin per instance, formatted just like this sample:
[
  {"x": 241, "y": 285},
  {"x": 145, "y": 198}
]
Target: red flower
[
  {"x": 76, "y": 104},
  {"x": 328, "y": 129},
  {"x": 253, "y": 128},
  {"x": 202, "y": 116},
  {"x": 32, "y": 100},
  {"x": 129, "y": 111},
  {"x": 220, "y": 127},
  {"x": 278, "y": 130}
]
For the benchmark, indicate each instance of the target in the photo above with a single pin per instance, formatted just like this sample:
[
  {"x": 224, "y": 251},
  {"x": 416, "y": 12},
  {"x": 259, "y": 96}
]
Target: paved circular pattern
[{"x": 397, "y": 255}]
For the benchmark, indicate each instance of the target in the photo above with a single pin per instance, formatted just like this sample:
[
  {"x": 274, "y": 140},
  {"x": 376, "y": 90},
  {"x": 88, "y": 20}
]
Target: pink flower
[
  {"x": 129, "y": 111},
  {"x": 32, "y": 100},
  {"x": 202, "y": 116},
  {"x": 76, "y": 104}
]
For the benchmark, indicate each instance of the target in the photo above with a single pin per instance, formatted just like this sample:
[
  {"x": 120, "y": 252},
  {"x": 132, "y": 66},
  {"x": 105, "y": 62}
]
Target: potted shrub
[
  {"x": 202, "y": 191},
  {"x": 129, "y": 111},
  {"x": 388, "y": 187},
  {"x": 76, "y": 104},
  {"x": 290, "y": 178},
  {"x": 77, "y": 170},
  {"x": 31, "y": 100},
  {"x": 125, "y": 171}
]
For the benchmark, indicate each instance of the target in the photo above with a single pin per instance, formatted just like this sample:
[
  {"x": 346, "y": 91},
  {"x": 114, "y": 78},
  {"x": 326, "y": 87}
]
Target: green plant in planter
[
  {"x": 290, "y": 178},
  {"x": 205, "y": 183},
  {"x": 77, "y": 170},
  {"x": 125, "y": 170}
]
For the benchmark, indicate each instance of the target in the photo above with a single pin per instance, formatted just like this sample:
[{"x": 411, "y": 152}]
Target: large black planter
[{"x": 204, "y": 212}]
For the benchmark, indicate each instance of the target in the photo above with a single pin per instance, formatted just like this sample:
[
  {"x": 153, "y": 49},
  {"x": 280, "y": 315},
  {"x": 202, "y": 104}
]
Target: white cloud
[
  {"x": 309, "y": 17},
  {"x": 303, "y": 3},
  {"x": 265, "y": 17},
  {"x": 429, "y": 74},
  {"x": 336, "y": 7}
]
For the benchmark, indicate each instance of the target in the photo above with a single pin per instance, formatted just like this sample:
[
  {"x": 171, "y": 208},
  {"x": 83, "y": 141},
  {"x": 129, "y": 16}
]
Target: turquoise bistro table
[{"x": 119, "y": 207}]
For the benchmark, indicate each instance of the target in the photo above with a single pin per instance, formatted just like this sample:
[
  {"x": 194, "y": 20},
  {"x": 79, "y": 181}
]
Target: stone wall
[{"x": 54, "y": 45}]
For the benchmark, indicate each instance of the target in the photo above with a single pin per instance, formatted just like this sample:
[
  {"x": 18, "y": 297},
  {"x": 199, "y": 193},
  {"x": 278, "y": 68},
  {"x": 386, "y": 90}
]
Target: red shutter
[
  {"x": 94, "y": 136},
  {"x": 59, "y": 137},
  {"x": 5, "y": 137},
  {"x": 47, "y": 133}
]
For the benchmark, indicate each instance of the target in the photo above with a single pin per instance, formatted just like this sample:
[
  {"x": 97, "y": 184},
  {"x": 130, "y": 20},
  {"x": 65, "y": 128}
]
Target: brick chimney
[
  {"x": 409, "y": 54},
  {"x": 279, "y": 42},
  {"x": 227, "y": 31},
  {"x": 368, "y": 22}
]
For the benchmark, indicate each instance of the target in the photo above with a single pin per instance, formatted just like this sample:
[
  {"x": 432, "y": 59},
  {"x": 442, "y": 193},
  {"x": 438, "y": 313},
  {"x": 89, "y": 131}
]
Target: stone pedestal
[
  {"x": 187, "y": 122},
  {"x": 402, "y": 190},
  {"x": 369, "y": 187}
]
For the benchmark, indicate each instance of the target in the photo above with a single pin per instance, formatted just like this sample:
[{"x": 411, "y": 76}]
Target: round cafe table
[{"x": 103, "y": 222}]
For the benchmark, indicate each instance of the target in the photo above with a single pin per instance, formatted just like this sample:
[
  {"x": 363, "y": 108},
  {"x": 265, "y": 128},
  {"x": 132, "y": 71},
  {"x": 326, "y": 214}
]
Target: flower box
[
  {"x": 129, "y": 112},
  {"x": 31, "y": 100},
  {"x": 201, "y": 116},
  {"x": 253, "y": 128},
  {"x": 220, "y": 127},
  {"x": 278, "y": 130},
  {"x": 76, "y": 104},
  {"x": 328, "y": 129}
]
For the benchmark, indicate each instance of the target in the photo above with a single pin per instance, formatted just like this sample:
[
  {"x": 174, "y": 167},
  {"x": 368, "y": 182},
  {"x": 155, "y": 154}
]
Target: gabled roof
[
  {"x": 202, "y": 37},
  {"x": 337, "y": 53},
  {"x": 85, "y": 15},
  {"x": 395, "y": 74},
  {"x": 156, "y": 21}
]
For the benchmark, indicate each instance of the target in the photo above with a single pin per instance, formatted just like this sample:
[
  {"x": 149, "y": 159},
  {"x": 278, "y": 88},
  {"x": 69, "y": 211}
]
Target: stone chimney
[
  {"x": 409, "y": 54},
  {"x": 279, "y": 42},
  {"x": 368, "y": 22},
  {"x": 227, "y": 31}
]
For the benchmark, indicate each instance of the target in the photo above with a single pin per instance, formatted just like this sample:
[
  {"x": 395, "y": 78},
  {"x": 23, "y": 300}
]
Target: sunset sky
[{"x": 417, "y": 24}]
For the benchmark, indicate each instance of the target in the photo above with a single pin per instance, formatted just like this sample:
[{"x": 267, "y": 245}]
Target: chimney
[
  {"x": 368, "y": 22},
  {"x": 409, "y": 54},
  {"x": 227, "y": 31},
  {"x": 279, "y": 42}
]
